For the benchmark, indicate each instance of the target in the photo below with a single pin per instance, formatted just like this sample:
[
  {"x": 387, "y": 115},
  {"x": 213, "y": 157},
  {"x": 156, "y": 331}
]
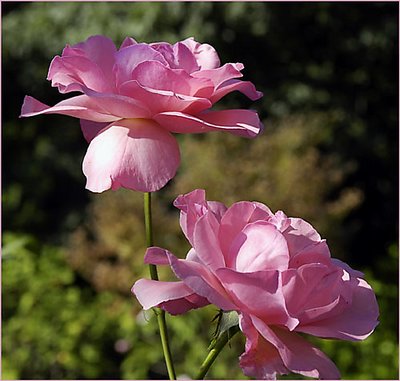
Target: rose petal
[
  {"x": 136, "y": 154},
  {"x": 161, "y": 100},
  {"x": 245, "y": 87},
  {"x": 151, "y": 293},
  {"x": 261, "y": 359},
  {"x": 205, "y": 54},
  {"x": 259, "y": 246},
  {"x": 91, "y": 129},
  {"x": 258, "y": 293},
  {"x": 128, "y": 58},
  {"x": 206, "y": 244},
  {"x": 356, "y": 322},
  {"x": 238, "y": 122},
  {"x": 155, "y": 75},
  {"x": 201, "y": 281},
  {"x": 236, "y": 217},
  {"x": 298, "y": 355},
  {"x": 81, "y": 107}
]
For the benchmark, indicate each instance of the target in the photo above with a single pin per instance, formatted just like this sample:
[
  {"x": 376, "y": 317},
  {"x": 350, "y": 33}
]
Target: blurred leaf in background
[{"x": 329, "y": 72}]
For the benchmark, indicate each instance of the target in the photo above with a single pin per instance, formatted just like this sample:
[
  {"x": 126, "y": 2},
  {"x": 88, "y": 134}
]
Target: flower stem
[
  {"x": 162, "y": 324},
  {"x": 215, "y": 350}
]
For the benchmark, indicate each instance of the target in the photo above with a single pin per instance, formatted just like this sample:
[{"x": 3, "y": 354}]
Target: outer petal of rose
[
  {"x": 259, "y": 246},
  {"x": 151, "y": 293},
  {"x": 91, "y": 129},
  {"x": 356, "y": 322},
  {"x": 238, "y": 122},
  {"x": 245, "y": 87},
  {"x": 79, "y": 107},
  {"x": 128, "y": 58},
  {"x": 258, "y": 293},
  {"x": 180, "y": 306},
  {"x": 221, "y": 74},
  {"x": 157, "y": 256},
  {"x": 174, "y": 297},
  {"x": 128, "y": 41},
  {"x": 298, "y": 355},
  {"x": 135, "y": 154},
  {"x": 345, "y": 266},
  {"x": 201, "y": 281},
  {"x": 206, "y": 243},
  {"x": 162, "y": 100},
  {"x": 155, "y": 75},
  {"x": 261, "y": 360},
  {"x": 100, "y": 50},
  {"x": 236, "y": 217},
  {"x": 206, "y": 56},
  {"x": 192, "y": 206}
]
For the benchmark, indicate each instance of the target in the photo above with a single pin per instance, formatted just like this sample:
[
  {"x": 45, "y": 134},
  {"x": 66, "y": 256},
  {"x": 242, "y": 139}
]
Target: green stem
[
  {"x": 162, "y": 324},
  {"x": 215, "y": 350}
]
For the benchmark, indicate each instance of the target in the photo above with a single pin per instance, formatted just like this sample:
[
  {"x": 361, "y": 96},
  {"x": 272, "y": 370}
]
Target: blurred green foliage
[{"x": 329, "y": 72}]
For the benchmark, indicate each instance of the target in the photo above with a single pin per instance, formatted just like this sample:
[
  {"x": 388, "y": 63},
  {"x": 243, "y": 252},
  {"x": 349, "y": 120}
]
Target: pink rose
[
  {"x": 135, "y": 97},
  {"x": 276, "y": 272}
]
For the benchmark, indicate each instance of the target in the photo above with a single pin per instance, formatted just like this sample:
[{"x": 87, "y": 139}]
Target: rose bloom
[
  {"x": 135, "y": 97},
  {"x": 276, "y": 272}
]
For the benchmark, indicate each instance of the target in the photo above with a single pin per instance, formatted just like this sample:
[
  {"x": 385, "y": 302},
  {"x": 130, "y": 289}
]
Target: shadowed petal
[{"x": 298, "y": 355}]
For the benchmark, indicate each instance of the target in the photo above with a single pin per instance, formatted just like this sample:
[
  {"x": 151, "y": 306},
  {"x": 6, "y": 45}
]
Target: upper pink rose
[
  {"x": 276, "y": 272},
  {"x": 134, "y": 97}
]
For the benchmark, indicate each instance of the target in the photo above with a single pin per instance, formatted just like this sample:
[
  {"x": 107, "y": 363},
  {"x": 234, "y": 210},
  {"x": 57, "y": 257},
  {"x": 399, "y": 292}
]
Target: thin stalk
[
  {"x": 162, "y": 324},
  {"x": 215, "y": 350}
]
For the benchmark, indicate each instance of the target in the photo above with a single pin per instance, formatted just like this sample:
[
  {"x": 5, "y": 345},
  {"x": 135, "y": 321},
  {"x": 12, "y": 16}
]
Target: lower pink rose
[{"x": 276, "y": 272}]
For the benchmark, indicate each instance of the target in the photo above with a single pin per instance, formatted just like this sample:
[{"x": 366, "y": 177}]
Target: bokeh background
[{"x": 329, "y": 72}]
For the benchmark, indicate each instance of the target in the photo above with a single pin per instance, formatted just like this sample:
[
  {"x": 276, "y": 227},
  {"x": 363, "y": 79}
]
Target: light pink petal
[
  {"x": 88, "y": 63},
  {"x": 235, "y": 219},
  {"x": 162, "y": 100},
  {"x": 128, "y": 58},
  {"x": 238, "y": 122},
  {"x": 91, "y": 129},
  {"x": 298, "y": 355},
  {"x": 261, "y": 360},
  {"x": 206, "y": 243},
  {"x": 245, "y": 87},
  {"x": 135, "y": 154},
  {"x": 259, "y": 246},
  {"x": 100, "y": 50},
  {"x": 192, "y": 206},
  {"x": 202, "y": 281},
  {"x": 174, "y": 297},
  {"x": 81, "y": 107},
  {"x": 205, "y": 54},
  {"x": 155, "y": 75},
  {"x": 119, "y": 105},
  {"x": 356, "y": 322},
  {"x": 258, "y": 293},
  {"x": 151, "y": 293}
]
